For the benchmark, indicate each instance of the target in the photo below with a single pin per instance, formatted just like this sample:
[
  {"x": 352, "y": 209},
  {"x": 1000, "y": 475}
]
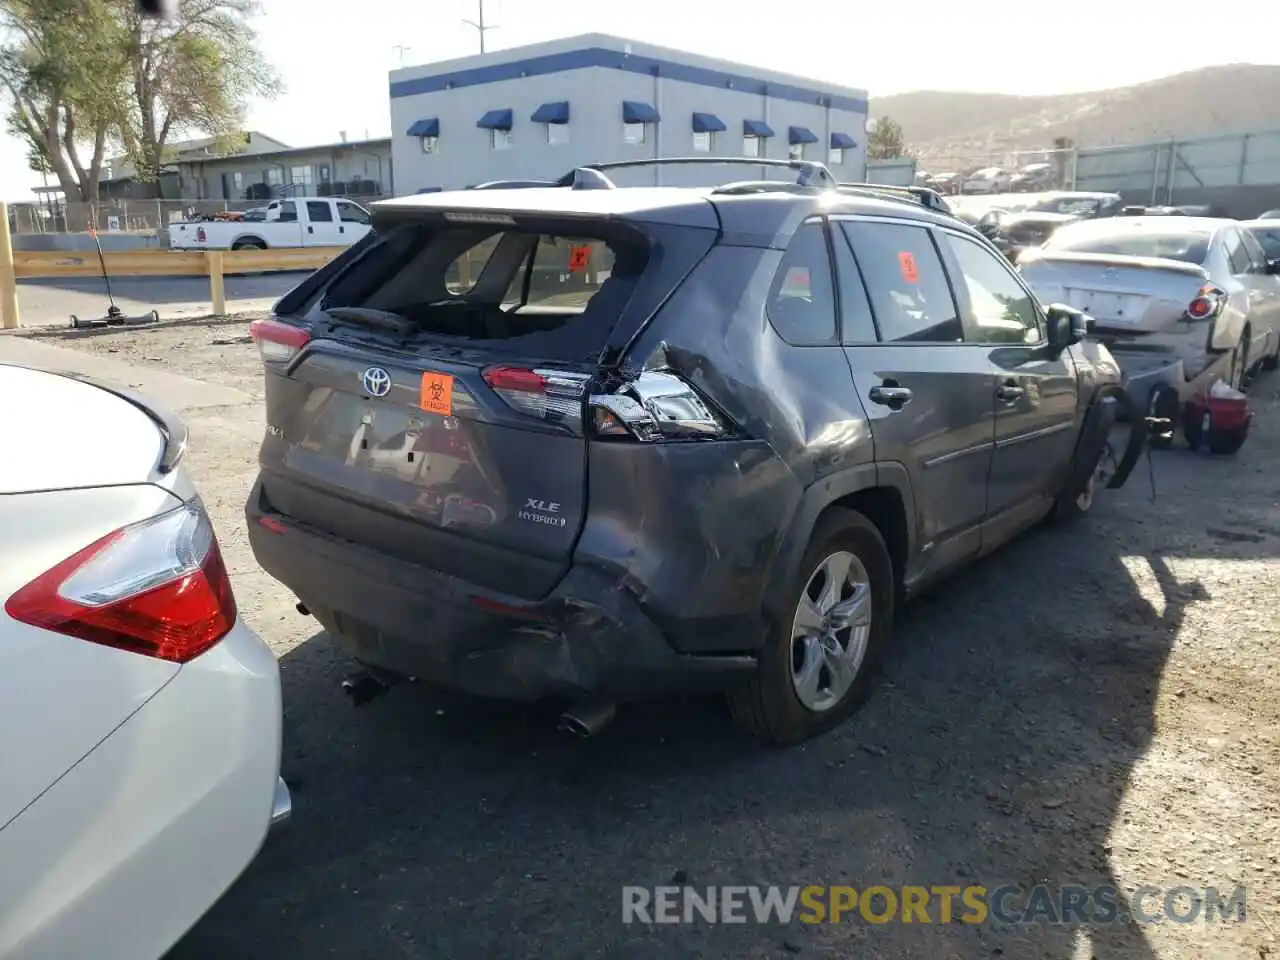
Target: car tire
[
  {"x": 1164, "y": 403},
  {"x": 1239, "y": 374},
  {"x": 247, "y": 245},
  {"x": 798, "y": 656},
  {"x": 1072, "y": 505},
  {"x": 1272, "y": 361}
]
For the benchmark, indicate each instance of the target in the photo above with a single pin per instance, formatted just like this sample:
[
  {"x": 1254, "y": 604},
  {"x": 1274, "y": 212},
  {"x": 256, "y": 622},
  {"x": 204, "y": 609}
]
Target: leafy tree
[
  {"x": 82, "y": 75},
  {"x": 59, "y": 65},
  {"x": 195, "y": 72},
  {"x": 886, "y": 140}
]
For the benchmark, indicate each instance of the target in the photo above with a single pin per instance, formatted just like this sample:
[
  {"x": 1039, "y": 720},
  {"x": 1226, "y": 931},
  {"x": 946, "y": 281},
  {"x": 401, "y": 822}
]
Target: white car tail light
[
  {"x": 278, "y": 342},
  {"x": 158, "y": 588},
  {"x": 552, "y": 395},
  {"x": 656, "y": 406}
]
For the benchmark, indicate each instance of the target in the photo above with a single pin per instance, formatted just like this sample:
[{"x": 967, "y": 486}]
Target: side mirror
[
  {"x": 989, "y": 224},
  {"x": 1273, "y": 266},
  {"x": 1067, "y": 326}
]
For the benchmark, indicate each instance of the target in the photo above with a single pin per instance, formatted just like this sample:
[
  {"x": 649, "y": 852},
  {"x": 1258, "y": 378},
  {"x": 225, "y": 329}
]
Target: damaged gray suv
[{"x": 576, "y": 440}]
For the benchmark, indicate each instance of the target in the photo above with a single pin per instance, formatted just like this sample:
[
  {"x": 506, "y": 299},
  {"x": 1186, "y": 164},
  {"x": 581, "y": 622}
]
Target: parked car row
[{"x": 1029, "y": 178}]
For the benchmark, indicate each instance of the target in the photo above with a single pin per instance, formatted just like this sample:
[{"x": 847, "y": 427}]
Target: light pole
[{"x": 481, "y": 27}]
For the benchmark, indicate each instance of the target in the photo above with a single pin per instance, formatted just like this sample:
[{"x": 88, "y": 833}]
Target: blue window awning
[
  {"x": 634, "y": 111},
  {"x": 557, "y": 112},
  {"x": 756, "y": 128},
  {"x": 425, "y": 128},
  {"x": 496, "y": 120},
  {"x": 797, "y": 135},
  {"x": 707, "y": 123},
  {"x": 842, "y": 141}
]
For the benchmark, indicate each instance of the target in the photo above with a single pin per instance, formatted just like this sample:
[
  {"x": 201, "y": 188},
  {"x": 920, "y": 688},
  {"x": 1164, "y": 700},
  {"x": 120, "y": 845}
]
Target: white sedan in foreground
[{"x": 139, "y": 717}]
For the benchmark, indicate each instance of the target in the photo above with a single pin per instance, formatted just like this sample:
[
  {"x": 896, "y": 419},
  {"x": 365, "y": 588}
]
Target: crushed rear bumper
[{"x": 590, "y": 636}]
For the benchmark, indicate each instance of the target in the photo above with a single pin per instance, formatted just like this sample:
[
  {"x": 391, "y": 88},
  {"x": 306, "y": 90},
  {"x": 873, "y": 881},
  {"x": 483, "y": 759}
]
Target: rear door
[
  {"x": 353, "y": 221},
  {"x": 456, "y": 442},
  {"x": 928, "y": 393},
  {"x": 1249, "y": 267},
  {"x": 1036, "y": 392},
  {"x": 322, "y": 224}
]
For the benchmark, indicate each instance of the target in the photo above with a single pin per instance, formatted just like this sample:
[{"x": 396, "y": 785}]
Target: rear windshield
[
  {"x": 496, "y": 283},
  {"x": 1189, "y": 246}
]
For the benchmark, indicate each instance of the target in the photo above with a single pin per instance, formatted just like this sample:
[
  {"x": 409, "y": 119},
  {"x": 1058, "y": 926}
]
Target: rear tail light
[
  {"x": 656, "y": 406},
  {"x": 278, "y": 342},
  {"x": 157, "y": 588},
  {"x": 1208, "y": 303},
  {"x": 551, "y": 395},
  {"x": 201, "y": 236}
]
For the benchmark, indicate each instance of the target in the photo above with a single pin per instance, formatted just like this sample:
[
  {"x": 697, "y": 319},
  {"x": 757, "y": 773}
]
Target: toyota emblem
[{"x": 377, "y": 382}]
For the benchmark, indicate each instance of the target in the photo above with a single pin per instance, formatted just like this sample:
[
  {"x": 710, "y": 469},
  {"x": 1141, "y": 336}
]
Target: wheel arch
[{"x": 881, "y": 492}]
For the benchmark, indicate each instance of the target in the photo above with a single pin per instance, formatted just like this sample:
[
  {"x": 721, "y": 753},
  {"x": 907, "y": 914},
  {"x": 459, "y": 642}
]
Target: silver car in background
[{"x": 1179, "y": 301}]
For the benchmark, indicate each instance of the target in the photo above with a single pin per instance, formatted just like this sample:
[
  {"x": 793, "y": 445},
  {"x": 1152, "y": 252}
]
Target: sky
[{"x": 334, "y": 55}]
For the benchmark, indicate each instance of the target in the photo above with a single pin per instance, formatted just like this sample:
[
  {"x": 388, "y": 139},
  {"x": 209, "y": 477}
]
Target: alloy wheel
[{"x": 830, "y": 631}]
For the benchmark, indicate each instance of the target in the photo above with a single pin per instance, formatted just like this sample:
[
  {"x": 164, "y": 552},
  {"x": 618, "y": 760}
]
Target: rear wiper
[{"x": 376, "y": 318}]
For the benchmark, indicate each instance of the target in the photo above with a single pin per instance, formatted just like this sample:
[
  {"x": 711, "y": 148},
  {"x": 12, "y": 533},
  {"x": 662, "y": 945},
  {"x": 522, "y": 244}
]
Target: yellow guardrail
[{"x": 214, "y": 264}]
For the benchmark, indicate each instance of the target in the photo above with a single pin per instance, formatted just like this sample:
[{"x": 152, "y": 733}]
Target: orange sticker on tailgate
[
  {"x": 436, "y": 394},
  {"x": 907, "y": 264}
]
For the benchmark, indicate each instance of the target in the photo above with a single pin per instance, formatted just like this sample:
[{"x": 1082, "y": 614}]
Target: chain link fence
[{"x": 127, "y": 216}]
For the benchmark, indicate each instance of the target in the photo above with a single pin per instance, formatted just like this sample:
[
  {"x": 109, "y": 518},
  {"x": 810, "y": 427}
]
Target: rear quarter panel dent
[{"x": 692, "y": 526}]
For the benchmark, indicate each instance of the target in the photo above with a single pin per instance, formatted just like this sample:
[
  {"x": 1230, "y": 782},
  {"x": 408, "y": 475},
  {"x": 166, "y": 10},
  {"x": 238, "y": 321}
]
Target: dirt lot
[{"x": 1098, "y": 704}]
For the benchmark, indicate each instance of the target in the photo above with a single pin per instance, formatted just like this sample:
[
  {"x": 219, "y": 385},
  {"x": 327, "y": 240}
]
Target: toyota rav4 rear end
[{"x": 463, "y": 480}]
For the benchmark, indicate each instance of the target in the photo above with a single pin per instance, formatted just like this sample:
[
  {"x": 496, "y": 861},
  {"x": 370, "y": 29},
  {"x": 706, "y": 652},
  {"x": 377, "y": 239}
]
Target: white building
[{"x": 536, "y": 112}]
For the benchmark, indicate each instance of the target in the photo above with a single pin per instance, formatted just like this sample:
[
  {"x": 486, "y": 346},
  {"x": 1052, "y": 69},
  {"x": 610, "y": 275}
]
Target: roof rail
[
  {"x": 809, "y": 173},
  {"x": 924, "y": 196},
  {"x": 513, "y": 184},
  {"x": 741, "y": 187}
]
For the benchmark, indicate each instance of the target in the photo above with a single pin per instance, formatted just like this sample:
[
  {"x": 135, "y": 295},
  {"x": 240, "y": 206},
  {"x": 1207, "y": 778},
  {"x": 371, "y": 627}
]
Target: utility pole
[
  {"x": 481, "y": 27},
  {"x": 401, "y": 49}
]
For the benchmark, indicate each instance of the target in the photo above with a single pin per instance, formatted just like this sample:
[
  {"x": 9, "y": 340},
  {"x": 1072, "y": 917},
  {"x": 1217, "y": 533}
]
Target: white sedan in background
[{"x": 139, "y": 717}]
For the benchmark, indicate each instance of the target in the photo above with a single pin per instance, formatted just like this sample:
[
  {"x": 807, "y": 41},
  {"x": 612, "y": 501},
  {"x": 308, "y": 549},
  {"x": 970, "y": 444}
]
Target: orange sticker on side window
[
  {"x": 579, "y": 259},
  {"x": 436, "y": 394},
  {"x": 907, "y": 264}
]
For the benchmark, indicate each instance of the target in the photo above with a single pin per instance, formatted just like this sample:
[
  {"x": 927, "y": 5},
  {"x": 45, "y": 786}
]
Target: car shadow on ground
[{"x": 996, "y": 749}]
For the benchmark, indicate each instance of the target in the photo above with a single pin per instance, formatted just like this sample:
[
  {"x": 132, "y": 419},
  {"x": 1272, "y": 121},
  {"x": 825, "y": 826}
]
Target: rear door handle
[
  {"x": 1009, "y": 391},
  {"x": 895, "y": 398}
]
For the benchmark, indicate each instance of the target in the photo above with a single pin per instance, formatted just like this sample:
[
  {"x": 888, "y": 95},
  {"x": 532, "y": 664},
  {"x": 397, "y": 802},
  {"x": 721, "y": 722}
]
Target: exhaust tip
[{"x": 587, "y": 719}]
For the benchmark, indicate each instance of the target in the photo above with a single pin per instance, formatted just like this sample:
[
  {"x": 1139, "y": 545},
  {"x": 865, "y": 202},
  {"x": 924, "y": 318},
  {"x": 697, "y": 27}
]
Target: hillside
[{"x": 954, "y": 128}]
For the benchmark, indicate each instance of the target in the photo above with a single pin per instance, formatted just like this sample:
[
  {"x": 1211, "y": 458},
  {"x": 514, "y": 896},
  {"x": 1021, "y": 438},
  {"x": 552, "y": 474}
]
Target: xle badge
[{"x": 542, "y": 511}]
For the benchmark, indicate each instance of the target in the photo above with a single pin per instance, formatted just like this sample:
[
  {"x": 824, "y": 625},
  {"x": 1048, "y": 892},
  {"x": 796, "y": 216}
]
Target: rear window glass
[
  {"x": 1189, "y": 246},
  {"x": 498, "y": 284},
  {"x": 802, "y": 305}
]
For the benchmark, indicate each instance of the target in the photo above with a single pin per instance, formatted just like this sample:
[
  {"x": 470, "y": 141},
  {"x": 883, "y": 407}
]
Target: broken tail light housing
[
  {"x": 656, "y": 406},
  {"x": 278, "y": 342},
  {"x": 1207, "y": 303},
  {"x": 158, "y": 588}
]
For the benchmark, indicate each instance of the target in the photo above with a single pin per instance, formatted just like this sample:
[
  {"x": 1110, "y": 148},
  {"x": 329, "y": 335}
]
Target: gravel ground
[{"x": 1095, "y": 704}]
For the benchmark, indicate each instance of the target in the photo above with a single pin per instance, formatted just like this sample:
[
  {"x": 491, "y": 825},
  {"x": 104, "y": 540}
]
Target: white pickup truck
[{"x": 295, "y": 222}]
